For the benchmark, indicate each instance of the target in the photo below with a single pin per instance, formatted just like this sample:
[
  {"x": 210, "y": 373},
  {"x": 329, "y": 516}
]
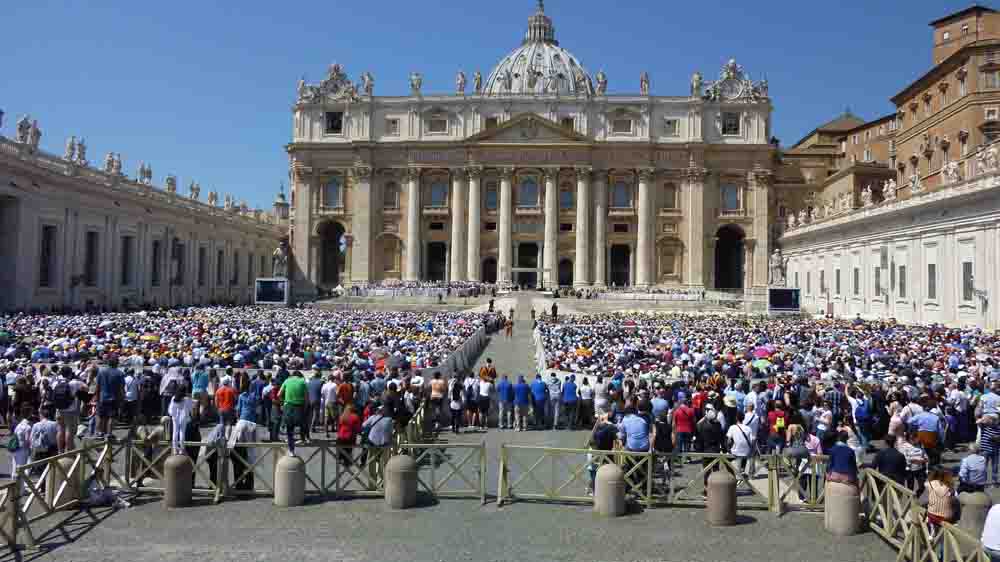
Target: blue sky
[{"x": 204, "y": 89}]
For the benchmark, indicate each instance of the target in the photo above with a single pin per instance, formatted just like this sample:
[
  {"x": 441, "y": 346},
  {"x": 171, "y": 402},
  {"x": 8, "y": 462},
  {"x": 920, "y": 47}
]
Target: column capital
[
  {"x": 761, "y": 176},
  {"x": 507, "y": 172},
  {"x": 361, "y": 171},
  {"x": 474, "y": 172},
  {"x": 695, "y": 173},
  {"x": 600, "y": 175},
  {"x": 583, "y": 173},
  {"x": 646, "y": 174},
  {"x": 412, "y": 173},
  {"x": 550, "y": 174}
]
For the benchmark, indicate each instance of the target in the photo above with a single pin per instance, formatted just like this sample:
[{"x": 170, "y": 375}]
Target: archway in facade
[
  {"x": 621, "y": 265},
  {"x": 490, "y": 270},
  {"x": 437, "y": 261},
  {"x": 332, "y": 253},
  {"x": 527, "y": 256},
  {"x": 9, "y": 250},
  {"x": 388, "y": 254},
  {"x": 729, "y": 257},
  {"x": 565, "y": 273}
]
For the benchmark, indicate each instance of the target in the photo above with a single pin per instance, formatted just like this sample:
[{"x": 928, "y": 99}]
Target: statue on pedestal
[
  {"x": 644, "y": 83},
  {"x": 81, "y": 152},
  {"x": 171, "y": 182},
  {"x": 23, "y": 130},
  {"x": 194, "y": 190},
  {"x": 213, "y": 198},
  {"x": 109, "y": 163},
  {"x": 697, "y": 83},
  {"x": 416, "y": 81},
  {"x": 367, "y": 83},
  {"x": 34, "y": 135},
  {"x": 70, "y": 153},
  {"x": 602, "y": 82},
  {"x": 889, "y": 190},
  {"x": 117, "y": 169},
  {"x": 477, "y": 82},
  {"x": 460, "y": 83},
  {"x": 866, "y": 196},
  {"x": 777, "y": 266},
  {"x": 279, "y": 260}
]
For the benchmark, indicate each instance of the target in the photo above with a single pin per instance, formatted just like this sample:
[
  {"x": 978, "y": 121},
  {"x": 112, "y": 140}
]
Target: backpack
[
  {"x": 62, "y": 398},
  {"x": 171, "y": 388},
  {"x": 41, "y": 443},
  {"x": 861, "y": 412},
  {"x": 472, "y": 392},
  {"x": 779, "y": 423},
  {"x": 365, "y": 430},
  {"x": 13, "y": 444}
]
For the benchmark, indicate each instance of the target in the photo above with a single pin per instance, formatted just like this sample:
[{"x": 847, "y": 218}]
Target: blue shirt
[
  {"x": 842, "y": 460},
  {"x": 199, "y": 382},
  {"x": 505, "y": 391},
  {"x": 362, "y": 391},
  {"x": 522, "y": 394},
  {"x": 924, "y": 421},
  {"x": 990, "y": 402},
  {"x": 973, "y": 470},
  {"x": 569, "y": 392},
  {"x": 112, "y": 383},
  {"x": 378, "y": 386},
  {"x": 246, "y": 406},
  {"x": 634, "y": 431},
  {"x": 659, "y": 406},
  {"x": 538, "y": 390}
]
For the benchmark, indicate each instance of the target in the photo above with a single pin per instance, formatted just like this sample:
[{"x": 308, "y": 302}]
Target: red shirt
[
  {"x": 349, "y": 428},
  {"x": 684, "y": 419},
  {"x": 772, "y": 420},
  {"x": 225, "y": 399},
  {"x": 345, "y": 393},
  {"x": 698, "y": 400}
]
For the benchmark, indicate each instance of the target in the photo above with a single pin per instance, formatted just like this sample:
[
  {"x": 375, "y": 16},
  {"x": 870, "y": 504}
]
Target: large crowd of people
[{"x": 443, "y": 289}]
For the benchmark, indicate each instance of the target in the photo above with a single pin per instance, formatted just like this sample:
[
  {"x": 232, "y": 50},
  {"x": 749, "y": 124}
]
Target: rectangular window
[
  {"x": 262, "y": 269},
  {"x": 991, "y": 79},
  {"x": 565, "y": 227},
  {"x": 809, "y": 283},
  {"x": 620, "y": 228},
  {"x": 128, "y": 246},
  {"x": 491, "y": 199},
  {"x": 730, "y": 198},
  {"x": 235, "y": 279},
  {"x": 967, "y": 281},
  {"x": 436, "y": 226},
  {"x": 566, "y": 199},
  {"x": 902, "y": 281},
  {"x": 491, "y": 123},
  {"x": 797, "y": 280},
  {"x": 621, "y": 126},
  {"x": 491, "y": 226},
  {"x": 47, "y": 257},
  {"x": 878, "y": 281},
  {"x": 836, "y": 281},
  {"x": 669, "y": 263},
  {"x": 854, "y": 139},
  {"x": 392, "y": 127},
  {"x": 179, "y": 253},
  {"x": 857, "y": 281},
  {"x": 220, "y": 267},
  {"x": 250, "y": 270},
  {"x": 157, "y": 259},
  {"x": 202, "y": 266},
  {"x": 992, "y": 113},
  {"x": 671, "y": 127},
  {"x": 822, "y": 281},
  {"x": 730, "y": 123},
  {"x": 90, "y": 257},
  {"x": 334, "y": 123},
  {"x": 567, "y": 123},
  {"x": 437, "y": 125},
  {"x": 932, "y": 281}
]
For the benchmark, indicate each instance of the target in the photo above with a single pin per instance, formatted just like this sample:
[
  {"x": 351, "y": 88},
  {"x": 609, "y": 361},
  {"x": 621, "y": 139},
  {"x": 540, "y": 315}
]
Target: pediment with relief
[{"x": 529, "y": 128}]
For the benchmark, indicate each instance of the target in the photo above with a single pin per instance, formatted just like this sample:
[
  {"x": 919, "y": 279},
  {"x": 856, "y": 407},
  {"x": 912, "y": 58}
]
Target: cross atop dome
[{"x": 540, "y": 28}]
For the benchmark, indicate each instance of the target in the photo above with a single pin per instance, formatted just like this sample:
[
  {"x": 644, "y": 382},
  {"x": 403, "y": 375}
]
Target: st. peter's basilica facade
[{"x": 536, "y": 169}]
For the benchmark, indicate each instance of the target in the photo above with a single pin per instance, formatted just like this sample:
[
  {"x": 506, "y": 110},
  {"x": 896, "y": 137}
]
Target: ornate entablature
[{"x": 734, "y": 85}]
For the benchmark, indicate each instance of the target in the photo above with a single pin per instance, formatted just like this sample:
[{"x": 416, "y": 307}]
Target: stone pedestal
[
  {"x": 177, "y": 479},
  {"x": 290, "y": 482},
  {"x": 842, "y": 509},
  {"x": 720, "y": 509},
  {"x": 401, "y": 482},
  {"x": 609, "y": 491}
]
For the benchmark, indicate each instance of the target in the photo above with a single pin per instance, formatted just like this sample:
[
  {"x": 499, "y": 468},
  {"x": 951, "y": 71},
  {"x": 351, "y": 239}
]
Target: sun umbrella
[
  {"x": 761, "y": 353},
  {"x": 761, "y": 364}
]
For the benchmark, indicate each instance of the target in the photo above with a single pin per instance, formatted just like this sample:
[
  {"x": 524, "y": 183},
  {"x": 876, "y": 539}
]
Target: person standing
[
  {"x": 522, "y": 403},
  {"x": 21, "y": 455},
  {"x": 539, "y": 399},
  {"x": 741, "y": 444},
  {"x": 505, "y": 402},
  {"x": 199, "y": 393},
  {"x": 314, "y": 390},
  {"x": 65, "y": 395},
  {"x": 683, "y": 422},
  {"x": 133, "y": 385},
  {"x": 180, "y": 412},
  {"x": 991, "y": 533},
  {"x": 485, "y": 401},
  {"x": 110, "y": 389},
  {"x": 890, "y": 462},
  {"x": 555, "y": 398},
  {"x": 225, "y": 401},
  {"x": 634, "y": 432},
  {"x": 293, "y": 397},
  {"x": 570, "y": 401},
  {"x": 710, "y": 435},
  {"x": 348, "y": 428},
  {"x": 329, "y": 395},
  {"x": 972, "y": 471},
  {"x": 586, "y": 414},
  {"x": 44, "y": 437},
  {"x": 439, "y": 389},
  {"x": 455, "y": 405}
]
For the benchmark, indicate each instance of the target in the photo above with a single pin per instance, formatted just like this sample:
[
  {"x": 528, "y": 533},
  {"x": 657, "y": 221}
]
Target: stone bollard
[
  {"x": 290, "y": 482},
  {"x": 177, "y": 470},
  {"x": 842, "y": 509},
  {"x": 54, "y": 480},
  {"x": 975, "y": 505},
  {"x": 720, "y": 506},
  {"x": 401, "y": 482},
  {"x": 609, "y": 491},
  {"x": 9, "y": 517}
]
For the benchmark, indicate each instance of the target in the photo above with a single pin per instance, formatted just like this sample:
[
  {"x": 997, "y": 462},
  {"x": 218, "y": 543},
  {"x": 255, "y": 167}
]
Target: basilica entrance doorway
[
  {"x": 527, "y": 257},
  {"x": 729, "y": 257},
  {"x": 621, "y": 265},
  {"x": 437, "y": 261},
  {"x": 490, "y": 270},
  {"x": 332, "y": 246},
  {"x": 565, "y": 273}
]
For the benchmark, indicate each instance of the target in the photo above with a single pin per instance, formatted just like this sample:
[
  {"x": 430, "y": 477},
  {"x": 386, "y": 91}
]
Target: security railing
[{"x": 804, "y": 489}]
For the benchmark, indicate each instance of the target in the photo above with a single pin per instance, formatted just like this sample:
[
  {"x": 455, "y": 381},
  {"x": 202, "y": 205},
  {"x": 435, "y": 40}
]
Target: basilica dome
[{"x": 539, "y": 65}]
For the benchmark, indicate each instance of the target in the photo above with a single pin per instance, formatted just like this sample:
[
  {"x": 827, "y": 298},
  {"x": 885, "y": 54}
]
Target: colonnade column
[
  {"x": 600, "y": 227},
  {"x": 694, "y": 196},
  {"x": 760, "y": 191},
  {"x": 458, "y": 218},
  {"x": 475, "y": 224},
  {"x": 506, "y": 223},
  {"x": 581, "y": 265},
  {"x": 644, "y": 245},
  {"x": 412, "y": 272},
  {"x": 361, "y": 220},
  {"x": 551, "y": 255}
]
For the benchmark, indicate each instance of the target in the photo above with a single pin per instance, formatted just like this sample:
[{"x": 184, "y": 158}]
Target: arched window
[
  {"x": 730, "y": 197},
  {"x": 333, "y": 195},
  {"x": 527, "y": 193},
  {"x": 621, "y": 195},
  {"x": 439, "y": 194},
  {"x": 669, "y": 196},
  {"x": 391, "y": 200},
  {"x": 566, "y": 196}
]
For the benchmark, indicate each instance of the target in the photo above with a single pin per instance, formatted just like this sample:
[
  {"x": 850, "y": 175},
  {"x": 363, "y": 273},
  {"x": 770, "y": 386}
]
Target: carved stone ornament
[
  {"x": 602, "y": 82},
  {"x": 213, "y": 198},
  {"x": 583, "y": 173},
  {"x": 951, "y": 172},
  {"x": 803, "y": 217},
  {"x": 171, "y": 183},
  {"x": 361, "y": 171},
  {"x": 23, "y": 128},
  {"x": 367, "y": 83},
  {"x": 734, "y": 85},
  {"x": 474, "y": 171},
  {"x": 792, "y": 222},
  {"x": 335, "y": 87},
  {"x": 646, "y": 174},
  {"x": 460, "y": 83},
  {"x": 889, "y": 190},
  {"x": 866, "y": 196}
]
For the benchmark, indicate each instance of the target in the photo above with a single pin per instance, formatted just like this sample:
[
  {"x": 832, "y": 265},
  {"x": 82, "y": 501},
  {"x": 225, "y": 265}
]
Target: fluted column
[
  {"x": 361, "y": 220},
  {"x": 581, "y": 266},
  {"x": 644, "y": 242},
  {"x": 475, "y": 224},
  {"x": 506, "y": 224},
  {"x": 600, "y": 228},
  {"x": 694, "y": 209},
  {"x": 413, "y": 225},
  {"x": 458, "y": 218},
  {"x": 551, "y": 255}
]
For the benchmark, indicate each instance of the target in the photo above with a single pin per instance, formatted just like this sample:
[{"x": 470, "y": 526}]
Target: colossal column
[
  {"x": 600, "y": 227},
  {"x": 551, "y": 255},
  {"x": 760, "y": 191},
  {"x": 361, "y": 211},
  {"x": 506, "y": 223},
  {"x": 458, "y": 219},
  {"x": 581, "y": 273},
  {"x": 475, "y": 223},
  {"x": 412, "y": 225},
  {"x": 694, "y": 194},
  {"x": 644, "y": 243}
]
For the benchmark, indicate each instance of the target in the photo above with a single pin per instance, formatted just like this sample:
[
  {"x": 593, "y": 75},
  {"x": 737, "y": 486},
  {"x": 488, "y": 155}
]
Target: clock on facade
[{"x": 731, "y": 89}]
